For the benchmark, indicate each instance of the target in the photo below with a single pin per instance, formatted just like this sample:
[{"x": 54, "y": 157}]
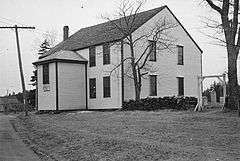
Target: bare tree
[
  {"x": 138, "y": 59},
  {"x": 48, "y": 38},
  {"x": 228, "y": 10}
]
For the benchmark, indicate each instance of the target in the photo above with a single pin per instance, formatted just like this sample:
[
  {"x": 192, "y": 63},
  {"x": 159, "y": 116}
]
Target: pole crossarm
[{"x": 13, "y": 27}]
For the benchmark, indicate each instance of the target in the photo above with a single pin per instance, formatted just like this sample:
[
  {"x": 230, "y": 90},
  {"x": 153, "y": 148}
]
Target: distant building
[{"x": 73, "y": 76}]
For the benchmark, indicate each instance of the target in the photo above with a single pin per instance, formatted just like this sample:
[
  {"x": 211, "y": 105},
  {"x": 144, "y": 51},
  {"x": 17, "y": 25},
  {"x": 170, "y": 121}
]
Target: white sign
[{"x": 46, "y": 87}]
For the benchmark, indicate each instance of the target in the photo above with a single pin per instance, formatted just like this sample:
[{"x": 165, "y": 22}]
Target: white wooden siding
[
  {"x": 71, "y": 86},
  {"x": 166, "y": 67},
  {"x": 47, "y": 99},
  {"x": 98, "y": 72}
]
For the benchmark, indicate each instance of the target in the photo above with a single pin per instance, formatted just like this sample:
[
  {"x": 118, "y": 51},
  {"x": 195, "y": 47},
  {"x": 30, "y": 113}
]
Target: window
[
  {"x": 92, "y": 87},
  {"x": 180, "y": 55},
  {"x": 45, "y": 73},
  {"x": 92, "y": 56},
  {"x": 153, "y": 85},
  {"x": 152, "y": 50},
  {"x": 106, "y": 87},
  {"x": 106, "y": 54},
  {"x": 180, "y": 86}
]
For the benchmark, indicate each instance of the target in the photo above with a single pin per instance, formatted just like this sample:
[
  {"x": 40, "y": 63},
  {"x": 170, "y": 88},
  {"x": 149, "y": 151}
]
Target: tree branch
[
  {"x": 119, "y": 64},
  {"x": 213, "y": 6},
  {"x": 235, "y": 18}
]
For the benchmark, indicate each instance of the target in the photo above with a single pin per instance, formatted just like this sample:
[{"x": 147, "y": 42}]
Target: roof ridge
[
  {"x": 120, "y": 18},
  {"x": 99, "y": 33}
]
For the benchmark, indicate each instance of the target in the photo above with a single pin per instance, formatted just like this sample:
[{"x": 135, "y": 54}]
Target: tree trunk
[
  {"x": 137, "y": 93},
  {"x": 134, "y": 71},
  {"x": 136, "y": 84},
  {"x": 232, "y": 81}
]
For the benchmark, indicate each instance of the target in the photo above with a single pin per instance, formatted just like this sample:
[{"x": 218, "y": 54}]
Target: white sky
[{"x": 47, "y": 15}]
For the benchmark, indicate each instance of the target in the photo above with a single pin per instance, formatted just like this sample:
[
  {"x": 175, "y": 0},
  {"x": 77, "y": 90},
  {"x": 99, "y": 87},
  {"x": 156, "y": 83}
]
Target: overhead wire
[{"x": 39, "y": 31}]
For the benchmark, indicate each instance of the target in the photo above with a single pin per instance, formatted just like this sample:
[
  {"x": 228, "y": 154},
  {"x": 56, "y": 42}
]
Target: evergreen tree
[
  {"x": 34, "y": 78},
  {"x": 44, "y": 47}
]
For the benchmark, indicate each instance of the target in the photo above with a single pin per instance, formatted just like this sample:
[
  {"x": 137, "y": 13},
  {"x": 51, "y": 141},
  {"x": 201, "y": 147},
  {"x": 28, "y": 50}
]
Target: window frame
[
  {"x": 153, "y": 47},
  {"x": 180, "y": 55},
  {"x": 45, "y": 73},
  {"x": 153, "y": 89},
  {"x": 92, "y": 56},
  {"x": 180, "y": 87},
  {"x": 106, "y": 89},
  {"x": 92, "y": 90},
  {"x": 106, "y": 54}
]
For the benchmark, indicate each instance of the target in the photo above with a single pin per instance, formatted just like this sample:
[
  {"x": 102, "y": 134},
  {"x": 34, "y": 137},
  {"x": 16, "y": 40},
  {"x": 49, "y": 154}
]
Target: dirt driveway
[{"x": 11, "y": 146}]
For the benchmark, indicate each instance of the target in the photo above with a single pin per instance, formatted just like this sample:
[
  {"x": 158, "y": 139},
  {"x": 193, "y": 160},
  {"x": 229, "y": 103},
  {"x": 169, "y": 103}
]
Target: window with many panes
[
  {"x": 152, "y": 50},
  {"x": 180, "y": 55},
  {"x": 106, "y": 54},
  {"x": 92, "y": 56},
  {"x": 45, "y": 73},
  {"x": 153, "y": 85},
  {"x": 92, "y": 87},
  {"x": 180, "y": 86},
  {"x": 106, "y": 87}
]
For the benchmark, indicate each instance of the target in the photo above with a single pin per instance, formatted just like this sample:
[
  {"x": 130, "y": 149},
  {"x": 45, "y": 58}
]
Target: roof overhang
[{"x": 59, "y": 60}]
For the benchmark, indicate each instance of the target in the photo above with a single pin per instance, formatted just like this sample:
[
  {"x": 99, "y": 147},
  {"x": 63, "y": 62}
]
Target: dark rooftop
[{"x": 101, "y": 33}]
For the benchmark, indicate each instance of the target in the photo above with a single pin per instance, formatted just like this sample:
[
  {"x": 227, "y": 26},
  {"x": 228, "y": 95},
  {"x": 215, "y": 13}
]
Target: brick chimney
[{"x": 65, "y": 32}]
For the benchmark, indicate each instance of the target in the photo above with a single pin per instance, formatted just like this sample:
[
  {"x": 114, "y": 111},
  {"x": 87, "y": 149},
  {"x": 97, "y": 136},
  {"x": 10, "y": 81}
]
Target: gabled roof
[
  {"x": 101, "y": 33},
  {"x": 107, "y": 32},
  {"x": 62, "y": 55}
]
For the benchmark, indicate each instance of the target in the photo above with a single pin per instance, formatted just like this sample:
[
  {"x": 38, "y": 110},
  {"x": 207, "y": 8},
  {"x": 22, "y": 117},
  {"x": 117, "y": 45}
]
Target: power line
[
  {"x": 14, "y": 21},
  {"x": 5, "y": 23}
]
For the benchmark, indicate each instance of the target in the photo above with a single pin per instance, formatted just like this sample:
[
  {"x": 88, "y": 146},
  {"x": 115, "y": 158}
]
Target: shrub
[
  {"x": 150, "y": 104},
  {"x": 16, "y": 107}
]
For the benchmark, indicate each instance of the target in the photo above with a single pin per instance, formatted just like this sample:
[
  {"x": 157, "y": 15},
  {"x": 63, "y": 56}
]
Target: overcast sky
[{"x": 52, "y": 15}]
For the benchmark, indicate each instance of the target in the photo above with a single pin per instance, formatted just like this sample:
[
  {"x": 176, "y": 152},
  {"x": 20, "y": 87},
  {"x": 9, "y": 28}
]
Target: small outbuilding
[{"x": 62, "y": 81}]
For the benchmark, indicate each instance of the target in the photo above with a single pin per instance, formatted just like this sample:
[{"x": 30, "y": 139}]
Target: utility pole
[{"x": 20, "y": 63}]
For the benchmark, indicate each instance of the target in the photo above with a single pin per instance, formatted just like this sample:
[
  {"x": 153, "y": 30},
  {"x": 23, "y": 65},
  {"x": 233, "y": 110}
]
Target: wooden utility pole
[{"x": 20, "y": 63}]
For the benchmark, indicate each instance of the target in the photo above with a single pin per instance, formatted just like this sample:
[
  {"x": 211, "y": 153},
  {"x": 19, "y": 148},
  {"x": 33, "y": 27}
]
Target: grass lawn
[{"x": 136, "y": 135}]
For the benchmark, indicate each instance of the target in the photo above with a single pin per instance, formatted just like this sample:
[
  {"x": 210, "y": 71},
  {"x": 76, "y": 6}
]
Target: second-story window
[
  {"x": 92, "y": 56},
  {"x": 45, "y": 73},
  {"x": 180, "y": 55},
  {"x": 106, "y": 54},
  {"x": 152, "y": 50}
]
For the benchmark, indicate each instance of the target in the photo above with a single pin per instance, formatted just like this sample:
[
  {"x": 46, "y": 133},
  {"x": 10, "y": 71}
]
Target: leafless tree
[
  {"x": 138, "y": 59},
  {"x": 50, "y": 36},
  {"x": 228, "y": 10}
]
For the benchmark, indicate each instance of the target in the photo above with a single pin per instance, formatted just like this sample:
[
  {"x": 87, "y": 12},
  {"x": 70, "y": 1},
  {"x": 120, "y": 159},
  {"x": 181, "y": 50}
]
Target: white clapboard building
[{"x": 75, "y": 74}]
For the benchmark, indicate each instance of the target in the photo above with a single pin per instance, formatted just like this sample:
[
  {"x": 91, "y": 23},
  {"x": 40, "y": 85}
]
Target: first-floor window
[
  {"x": 106, "y": 87},
  {"x": 153, "y": 85},
  {"x": 92, "y": 87},
  {"x": 45, "y": 73},
  {"x": 180, "y": 86}
]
